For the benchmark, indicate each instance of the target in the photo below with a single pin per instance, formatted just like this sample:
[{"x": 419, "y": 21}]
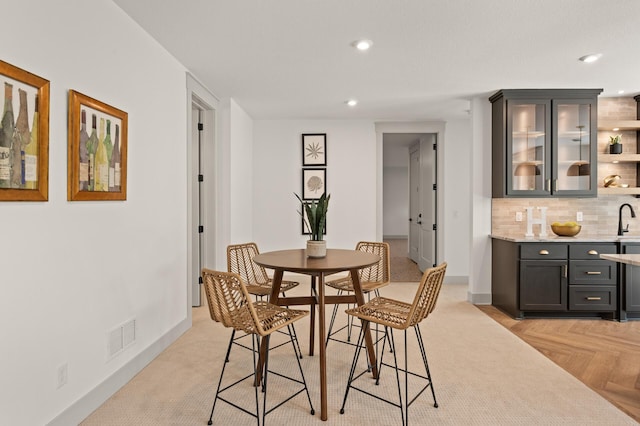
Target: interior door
[
  {"x": 428, "y": 191},
  {"x": 196, "y": 132},
  {"x": 414, "y": 202}
]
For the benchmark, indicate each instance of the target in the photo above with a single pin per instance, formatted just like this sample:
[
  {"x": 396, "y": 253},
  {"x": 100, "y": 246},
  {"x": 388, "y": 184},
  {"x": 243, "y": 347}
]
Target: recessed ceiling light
[
  {"x": 352, "y": 102},
  {"x": 591, "y": 58},
  {"x": 620, "y": 92},
  {"x": 362, "y": 44},
  {"x": 615, "y": 129}
]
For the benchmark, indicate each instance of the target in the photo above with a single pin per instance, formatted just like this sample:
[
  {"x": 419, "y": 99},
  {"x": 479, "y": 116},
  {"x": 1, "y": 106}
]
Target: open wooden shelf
[
  {"x": 619, "y": 191},
  {"x": 620, "y": 158},
  {"x": 622, "y": 125}
]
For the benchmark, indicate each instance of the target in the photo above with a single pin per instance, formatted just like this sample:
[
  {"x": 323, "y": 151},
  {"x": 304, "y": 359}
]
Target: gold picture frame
[
  {"x": 24, "y": 136},
  {"x": 93, "y": 171}
]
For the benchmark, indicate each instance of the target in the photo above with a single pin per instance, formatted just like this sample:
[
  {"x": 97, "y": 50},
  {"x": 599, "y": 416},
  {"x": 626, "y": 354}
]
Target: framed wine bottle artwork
[
  {"x": 97, "y": 150},
  {"x": 24, "y": 136}
]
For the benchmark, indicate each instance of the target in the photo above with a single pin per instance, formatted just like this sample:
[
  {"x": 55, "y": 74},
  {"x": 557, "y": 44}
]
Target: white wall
[
  {"x": 457, "y": 196},
  {"x": 71, "y": 271},
  {"x": 480, "y": 218},
  {"x": 395, "y": 181},
  {"x": 242, "y": 173},
  {"x": 351, "y": 181}
]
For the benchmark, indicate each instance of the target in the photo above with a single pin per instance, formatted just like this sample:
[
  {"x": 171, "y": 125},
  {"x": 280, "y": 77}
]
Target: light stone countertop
[
  {"x": 553, "y": 238},
  {"x": 629, "y": 259}
]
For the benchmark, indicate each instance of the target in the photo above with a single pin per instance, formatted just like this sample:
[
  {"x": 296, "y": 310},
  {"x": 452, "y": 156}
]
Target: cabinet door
[
  {"x": 574, "y": 147},
  {"x": 528, "y": 152},
  {"x": 543, "y": 285},
  {"x": 630, "y": 291}
]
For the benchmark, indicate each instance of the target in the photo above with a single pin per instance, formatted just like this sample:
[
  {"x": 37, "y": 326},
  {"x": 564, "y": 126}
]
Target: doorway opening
[
  {"x": 201, "y": 182},
  {"x": 410, "y": 202}
]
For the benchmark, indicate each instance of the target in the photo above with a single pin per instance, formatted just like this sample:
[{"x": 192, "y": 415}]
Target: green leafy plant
[
  {"x": 316, "y": 215},
  {"x": 615, "y": 139}
]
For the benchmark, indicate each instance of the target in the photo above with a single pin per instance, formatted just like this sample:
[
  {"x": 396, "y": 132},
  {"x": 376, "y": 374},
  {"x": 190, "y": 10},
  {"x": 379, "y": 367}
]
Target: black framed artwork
[
  {"x": 314, "y": 149},
  {"x": 314, "y": 183}
]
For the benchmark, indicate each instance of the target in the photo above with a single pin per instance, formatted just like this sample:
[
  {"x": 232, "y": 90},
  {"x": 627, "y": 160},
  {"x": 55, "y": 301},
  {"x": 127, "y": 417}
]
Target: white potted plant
[{"x": 314, "y": 222}]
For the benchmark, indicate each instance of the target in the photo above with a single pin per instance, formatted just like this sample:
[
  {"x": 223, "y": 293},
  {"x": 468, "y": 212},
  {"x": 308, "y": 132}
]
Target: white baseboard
[
  {"x": 87, "y": 404},
  {"x": 453, "y": 279},
  {"x": 479, "y": 298}
]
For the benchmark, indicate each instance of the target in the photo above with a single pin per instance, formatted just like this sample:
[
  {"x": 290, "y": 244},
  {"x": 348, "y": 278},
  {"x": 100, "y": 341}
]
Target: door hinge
[
  {"x": 200, "y": 178},
  {"x": 200, "y": 280},
  {"x": 200, "y": 126},
  {"x": 434, "y": 227},
  {"x": 435, "y": 187},
  {"x": 434, "y": 147},
  {"x": 200, "y": 229}
]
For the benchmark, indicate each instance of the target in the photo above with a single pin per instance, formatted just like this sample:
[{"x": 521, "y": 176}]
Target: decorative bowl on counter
[{"x": 566, "y": 229}]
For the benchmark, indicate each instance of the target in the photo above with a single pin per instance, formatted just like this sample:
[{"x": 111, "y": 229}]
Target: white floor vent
[{"x": 120, "y": 338}]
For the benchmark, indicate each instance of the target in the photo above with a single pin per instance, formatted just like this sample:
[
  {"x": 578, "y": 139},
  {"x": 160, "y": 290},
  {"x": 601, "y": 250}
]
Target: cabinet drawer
[
  {"x": 592, "y": 298},
  {"x": 592, "y": 272},
  {"x": 590, "y": 251},
  {"x": 542, "y": 251}
]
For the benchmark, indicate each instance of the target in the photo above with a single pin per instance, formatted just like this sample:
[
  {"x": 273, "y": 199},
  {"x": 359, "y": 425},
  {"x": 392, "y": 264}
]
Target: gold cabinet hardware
[
  {"x": 543, "y": 252},
  {"x": 592, "y": 252},
  {"x": 594, "y": 298},
  {"x": 565, "y": 271},
  {"x": 594, "y": 273}
]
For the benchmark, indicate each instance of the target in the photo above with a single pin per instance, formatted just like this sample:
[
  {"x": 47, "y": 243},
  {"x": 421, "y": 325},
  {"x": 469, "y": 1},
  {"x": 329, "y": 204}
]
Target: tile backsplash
[{"x": 600, "y": 215}]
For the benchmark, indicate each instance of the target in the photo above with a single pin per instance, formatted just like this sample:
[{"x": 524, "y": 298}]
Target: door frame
[
  {"x": 414, "y": 149},
  {"x": 437, "y": 127},
  {"x": 201, "y": 209}
]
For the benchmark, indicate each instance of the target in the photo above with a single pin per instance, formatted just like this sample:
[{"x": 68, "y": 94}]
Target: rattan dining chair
[
  {"x": 372, "y": 279},
  {"x": 230, "y": 304},
  {"x": 240, "y": 261},
  {"x": 257, "y": 281},
  {"x": 395, "y": 314}
]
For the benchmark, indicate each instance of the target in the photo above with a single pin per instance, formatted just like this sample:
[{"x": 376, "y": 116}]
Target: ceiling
[{"x": 293, "y": 59}]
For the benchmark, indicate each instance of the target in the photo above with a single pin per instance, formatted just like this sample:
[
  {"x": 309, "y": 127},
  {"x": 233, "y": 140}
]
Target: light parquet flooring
[{"x": 604, "y": 355}]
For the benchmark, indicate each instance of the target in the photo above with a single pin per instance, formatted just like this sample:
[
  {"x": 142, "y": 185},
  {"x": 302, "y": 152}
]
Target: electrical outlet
[
  {"x": 62, "y": 375},
  {"x": 518, "y": 216},
  {"x": 579, "y": 217}
]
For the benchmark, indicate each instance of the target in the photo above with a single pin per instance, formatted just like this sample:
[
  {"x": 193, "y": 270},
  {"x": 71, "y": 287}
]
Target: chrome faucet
[{"x": 633, "y": 214}]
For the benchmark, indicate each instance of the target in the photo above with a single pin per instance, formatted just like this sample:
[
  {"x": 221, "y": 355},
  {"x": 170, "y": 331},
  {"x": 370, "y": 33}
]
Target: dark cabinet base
[{"x": 555, "y": 280}]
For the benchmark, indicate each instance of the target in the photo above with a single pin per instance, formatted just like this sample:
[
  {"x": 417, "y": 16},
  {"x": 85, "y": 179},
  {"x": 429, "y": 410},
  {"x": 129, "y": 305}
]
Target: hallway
[{"x": 403, "y": 269}]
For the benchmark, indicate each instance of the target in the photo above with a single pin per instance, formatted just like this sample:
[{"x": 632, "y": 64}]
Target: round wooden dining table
[{"x": 336, "y": 260}]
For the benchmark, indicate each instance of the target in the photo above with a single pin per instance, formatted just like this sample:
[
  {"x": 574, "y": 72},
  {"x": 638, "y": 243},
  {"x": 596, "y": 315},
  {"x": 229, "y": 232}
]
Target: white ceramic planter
[{"x": 316, "y": 248}]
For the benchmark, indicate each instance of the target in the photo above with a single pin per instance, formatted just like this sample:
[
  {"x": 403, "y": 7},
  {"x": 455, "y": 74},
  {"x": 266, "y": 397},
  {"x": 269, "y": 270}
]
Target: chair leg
[
  {"x": 406, "y": 382},
  {"x": 295, "y": 336},
  {"x": 333, "y": 320},
  {"x": 354, "y": 363},
  {"x": 423, "y": 352},
  {"x": 298, "y": 354},
  {"x": 395, "y": 363},
  {"x": 264, "y": 382},
  {"x": 224, "y": 366},
  {"x": 380, "y": 360}
]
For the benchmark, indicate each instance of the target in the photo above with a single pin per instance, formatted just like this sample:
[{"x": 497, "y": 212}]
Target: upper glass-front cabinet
[{"x": 544, "y": 143}]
